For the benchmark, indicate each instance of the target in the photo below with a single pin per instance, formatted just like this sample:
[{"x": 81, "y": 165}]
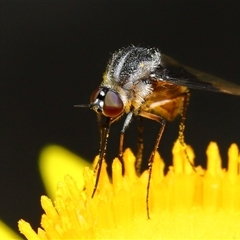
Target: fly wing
[
  {"x": 173, "y": 72},
  {"x": 219, "y": 83}
]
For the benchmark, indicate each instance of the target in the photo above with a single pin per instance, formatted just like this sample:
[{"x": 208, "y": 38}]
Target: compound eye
[
  {"x": 94, "y": 95},
  {"x": 113, "y": 105}
]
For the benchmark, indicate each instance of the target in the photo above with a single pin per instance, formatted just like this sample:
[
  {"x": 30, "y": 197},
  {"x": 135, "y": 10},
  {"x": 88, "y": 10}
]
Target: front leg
[{"x": 125, "y": 125}]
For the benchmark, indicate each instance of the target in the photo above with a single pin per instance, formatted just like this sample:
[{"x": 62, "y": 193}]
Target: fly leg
[
  {"x": 151, "y": 158},
  {"x": 100, "y": 126},
  {"x": 125, "y": 125},
  {"x": 104, "y": 131},
  {"x": 186, "y": 97},
  {"x": 139, "y": 155}
]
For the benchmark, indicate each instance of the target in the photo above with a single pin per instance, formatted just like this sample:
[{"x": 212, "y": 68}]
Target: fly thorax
[
  {"x": 141, "y": 90},
  {"x": 132, "y": 64}
]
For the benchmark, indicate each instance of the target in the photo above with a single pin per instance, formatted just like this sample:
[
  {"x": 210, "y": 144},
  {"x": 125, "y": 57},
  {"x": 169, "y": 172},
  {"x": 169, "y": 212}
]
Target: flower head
[{"x": 186, "y": 203}]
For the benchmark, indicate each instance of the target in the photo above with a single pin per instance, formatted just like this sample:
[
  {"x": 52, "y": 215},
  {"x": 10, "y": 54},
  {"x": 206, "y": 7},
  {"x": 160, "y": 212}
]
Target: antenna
[{"x": 82, "y": 105}]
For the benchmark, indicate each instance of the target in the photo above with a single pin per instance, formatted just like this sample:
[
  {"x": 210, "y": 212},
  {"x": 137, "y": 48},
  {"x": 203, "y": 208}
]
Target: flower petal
[
  {"x": 55, "y": 162},
  {"x": 7, "y": 233}
]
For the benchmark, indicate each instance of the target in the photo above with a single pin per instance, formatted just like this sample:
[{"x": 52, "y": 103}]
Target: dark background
[{"x": 53, "y": 56}]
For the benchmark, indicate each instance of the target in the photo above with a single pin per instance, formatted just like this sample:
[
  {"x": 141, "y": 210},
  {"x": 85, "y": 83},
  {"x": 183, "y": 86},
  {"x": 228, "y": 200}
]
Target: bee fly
[{"x": 146, "y": 83}]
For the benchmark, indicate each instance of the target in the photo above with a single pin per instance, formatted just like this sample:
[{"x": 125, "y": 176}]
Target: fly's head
[
  {"x": 106, "y": 101},
  {"x": 126, "y": 81}
]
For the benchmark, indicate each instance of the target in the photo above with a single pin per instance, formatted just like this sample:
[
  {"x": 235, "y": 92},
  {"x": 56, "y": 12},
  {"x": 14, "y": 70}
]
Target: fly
[{"x": 143, "y": 82}]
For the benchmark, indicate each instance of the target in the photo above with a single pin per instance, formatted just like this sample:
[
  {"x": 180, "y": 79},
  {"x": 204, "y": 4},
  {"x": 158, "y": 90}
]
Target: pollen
[{"x": 186, "y": 203}]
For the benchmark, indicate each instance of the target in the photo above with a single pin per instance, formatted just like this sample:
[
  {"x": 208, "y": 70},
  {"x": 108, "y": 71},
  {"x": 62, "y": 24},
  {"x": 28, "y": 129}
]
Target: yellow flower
[
  {"x": 6, "y": 232},
  {"x": 187, "y": 203}
]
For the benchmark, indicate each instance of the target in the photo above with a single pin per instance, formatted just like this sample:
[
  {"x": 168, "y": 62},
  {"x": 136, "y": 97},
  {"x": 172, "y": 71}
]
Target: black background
[{"x": 53, "y": 56}]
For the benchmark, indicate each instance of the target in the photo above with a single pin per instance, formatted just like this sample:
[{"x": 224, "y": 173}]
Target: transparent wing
[{"x": 173, "y": 72}]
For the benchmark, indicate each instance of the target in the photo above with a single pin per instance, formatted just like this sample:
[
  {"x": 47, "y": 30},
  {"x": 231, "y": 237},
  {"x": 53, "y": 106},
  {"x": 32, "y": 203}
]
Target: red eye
[
  {"x": 94, "y": 95},
  {"x": 113, "y": 105}
]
